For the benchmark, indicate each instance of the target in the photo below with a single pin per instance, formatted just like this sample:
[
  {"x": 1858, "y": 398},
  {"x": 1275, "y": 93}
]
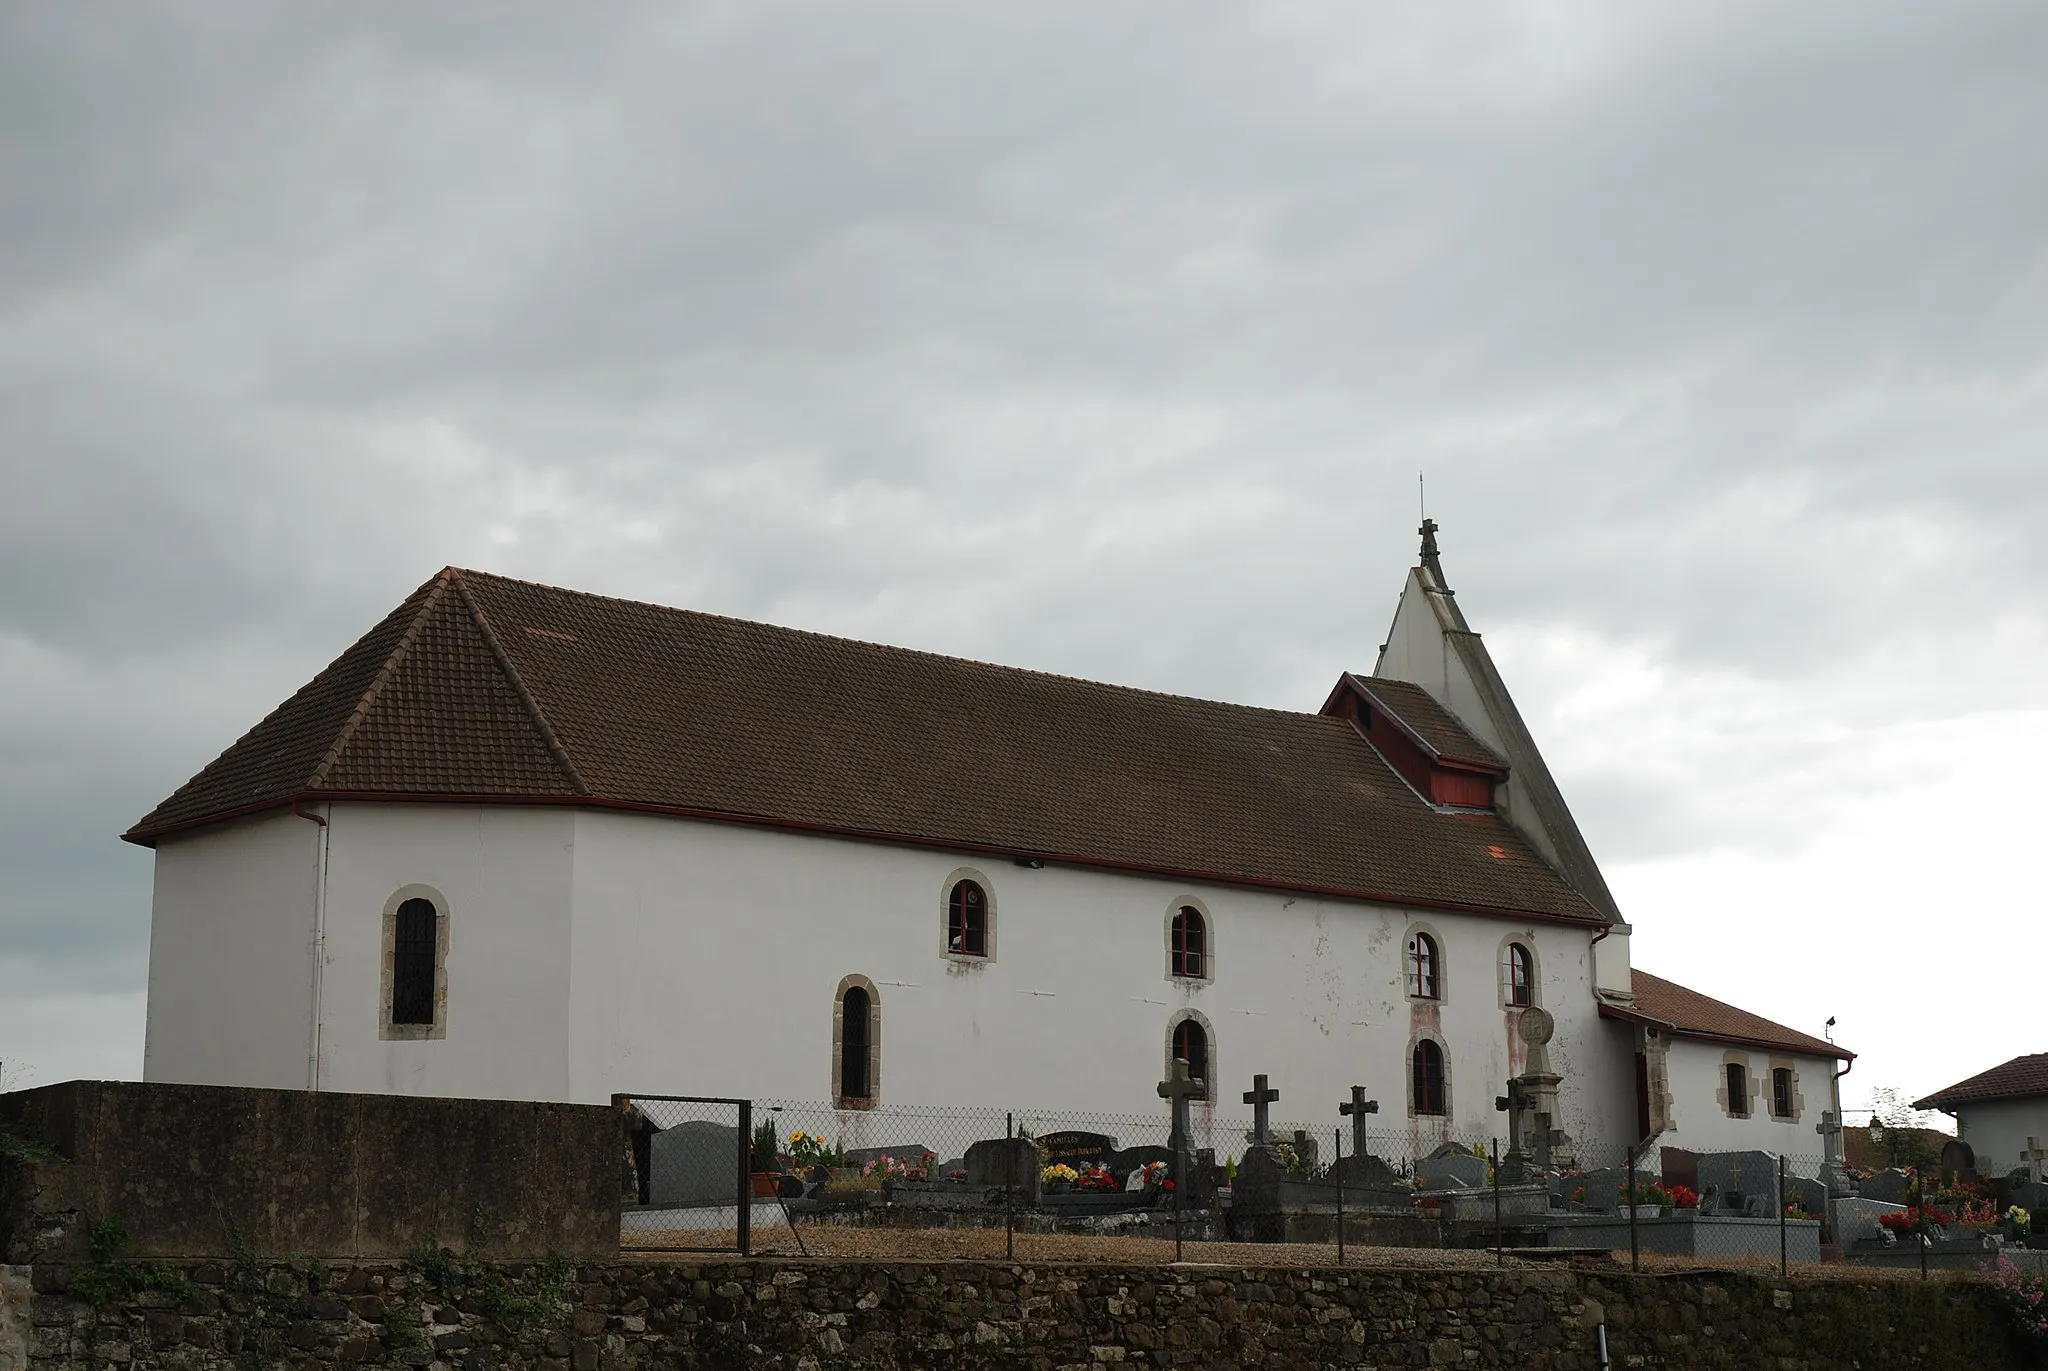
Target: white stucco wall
[
  {"x": 1998, "y": 1131},
  {"x": 592, "y": 952},
  {"x": 230, "y": 955},
  {"x": 501, "y": 876},
  {"x": 708, "y": 956},
  {"x": 1701, "y": 1122}
]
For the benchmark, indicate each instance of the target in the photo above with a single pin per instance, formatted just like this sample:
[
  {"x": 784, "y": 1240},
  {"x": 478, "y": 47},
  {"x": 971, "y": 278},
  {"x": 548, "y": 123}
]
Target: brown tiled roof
[
  {"x": 1435, "y": 726},
  {"x": 481, "y": 688},
  {"x": 1694, "y": 1015},
  {"x": 2019, "y": 1079}
]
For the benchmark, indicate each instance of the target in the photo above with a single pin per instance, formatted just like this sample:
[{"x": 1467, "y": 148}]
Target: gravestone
[
  {"x": 1856, "y": 1219},
  {"x": 912, "y": 1154},
  {"x": 1739, "y": 1183},
  {"x": 1000, "y": 1161},
  {"x": 1892, "y": 1186},
  {"x": 1127, "y": 1162},
  {"x": 1602, "y": 1187},
  {"x": 1077, "y": 1149},
  {"x": 1305, "y": 1149},
  {"x": 2035, "y": 1158},
  {"x": 1178, "y": 1089},
  {"x": 1364, "y": 1171},
  {"x": 1259, "y": 1097},
  {"x": 1812, "y": 1195},
  {"x": 694, "y": 1163},
  {"x": 1679, "y": 1166},
  {"x": 1452, "y": 1171},
  {"x": 1356, "y": 1109}
]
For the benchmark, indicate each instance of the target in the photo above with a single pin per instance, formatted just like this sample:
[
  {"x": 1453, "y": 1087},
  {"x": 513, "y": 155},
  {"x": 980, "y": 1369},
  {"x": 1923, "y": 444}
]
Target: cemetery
[{"x": 1528, "y": 1192}]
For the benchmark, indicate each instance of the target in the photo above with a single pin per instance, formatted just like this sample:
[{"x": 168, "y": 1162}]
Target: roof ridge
[
  {"x": 518, "y": 684},
  {"x": 383, "y": 677},
  {"x": 871, "y": 645}
]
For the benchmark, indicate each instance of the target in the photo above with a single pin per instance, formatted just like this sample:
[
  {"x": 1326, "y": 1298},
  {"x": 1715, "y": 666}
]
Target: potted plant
[
  {"x": 1646, "y": 1200},
  {"x": 812, "y": 1155},
  {"x": 767, "y": 1165}
]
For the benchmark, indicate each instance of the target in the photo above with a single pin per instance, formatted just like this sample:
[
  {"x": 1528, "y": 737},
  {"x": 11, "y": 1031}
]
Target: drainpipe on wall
[
  {"x": 1842, "y": 1124},
  {"x": 319, "y": 946}
]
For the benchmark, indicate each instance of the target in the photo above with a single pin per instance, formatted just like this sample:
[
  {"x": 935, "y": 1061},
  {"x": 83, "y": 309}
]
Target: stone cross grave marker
[
  {"x": 2035, "y": 1159},
  {"x": 1258, "y": 1097},
  {"x": 1356, "y": 1108},
  {"x": 1177, "y": 1090},
  {"x": 1830, "y": 1130}
]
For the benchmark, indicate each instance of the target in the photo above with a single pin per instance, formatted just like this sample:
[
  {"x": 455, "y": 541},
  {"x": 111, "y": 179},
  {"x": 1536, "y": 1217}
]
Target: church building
[{"x": 527, "y": 843}]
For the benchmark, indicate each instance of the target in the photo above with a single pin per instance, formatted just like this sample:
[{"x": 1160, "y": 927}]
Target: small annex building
[
  {"x": 2002, "y": 1114},
  {"x": 525, "y": 842}
]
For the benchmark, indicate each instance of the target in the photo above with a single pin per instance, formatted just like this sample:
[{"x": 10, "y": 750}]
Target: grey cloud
[{"x": 1103, "y": 341}]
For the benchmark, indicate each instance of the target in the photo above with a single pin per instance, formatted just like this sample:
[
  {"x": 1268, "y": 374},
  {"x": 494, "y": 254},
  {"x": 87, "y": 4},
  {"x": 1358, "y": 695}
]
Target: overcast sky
[{"x": 1104, "y": 339}]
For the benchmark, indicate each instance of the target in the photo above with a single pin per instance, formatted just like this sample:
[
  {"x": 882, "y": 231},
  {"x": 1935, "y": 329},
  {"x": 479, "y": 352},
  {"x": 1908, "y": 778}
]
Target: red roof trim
[{"x": 149, "y": 838}]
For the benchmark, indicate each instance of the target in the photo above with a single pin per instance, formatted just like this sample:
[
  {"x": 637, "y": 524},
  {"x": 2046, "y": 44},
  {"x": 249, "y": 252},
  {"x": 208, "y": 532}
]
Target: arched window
[
  {"x": 1424, "y": 981},
  {"x": 1518, "y": 977},
  {"x": 414, "y": 945},
  {"x": 855, "y": 1044},
  {"x": 1190, "y": 943},
  {"x": 1430, "y": 1094},
  {"x": 967, "y": 920},
  {"x": 1191, "y": 1045}
]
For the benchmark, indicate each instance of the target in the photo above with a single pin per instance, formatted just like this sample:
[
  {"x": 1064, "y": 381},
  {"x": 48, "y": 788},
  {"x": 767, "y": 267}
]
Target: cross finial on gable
[{"x": 1429, "y": 554}]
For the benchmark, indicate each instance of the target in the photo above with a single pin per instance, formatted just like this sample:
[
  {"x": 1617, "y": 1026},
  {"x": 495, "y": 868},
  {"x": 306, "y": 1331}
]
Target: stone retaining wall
[{"x": 822, "y": 1316}]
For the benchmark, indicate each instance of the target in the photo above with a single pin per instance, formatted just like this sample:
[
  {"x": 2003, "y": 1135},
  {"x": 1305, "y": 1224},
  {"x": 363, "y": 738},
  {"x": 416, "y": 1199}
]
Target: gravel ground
[{"x": 980, "y": 1244}]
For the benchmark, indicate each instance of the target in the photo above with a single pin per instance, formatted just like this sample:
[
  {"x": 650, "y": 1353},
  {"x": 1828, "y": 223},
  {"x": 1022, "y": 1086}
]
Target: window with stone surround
[
  {"x": 967, "y": 920},
  {"x": 1188, "y": 1040},
  {"x": 1737, "y": 1092},
  {"x": 413, "y": 979},
  {"x": 856, "y": 1045},
  {"x": 1517, "y": 976}
]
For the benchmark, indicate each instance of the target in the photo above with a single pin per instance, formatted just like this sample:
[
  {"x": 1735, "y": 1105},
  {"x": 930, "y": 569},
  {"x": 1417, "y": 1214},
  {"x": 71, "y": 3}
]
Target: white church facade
[{"x": 520, "y": 842}]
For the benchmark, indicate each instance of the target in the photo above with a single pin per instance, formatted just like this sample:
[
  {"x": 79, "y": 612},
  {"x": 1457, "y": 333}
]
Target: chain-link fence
[{"x": 796, "y": 1178}]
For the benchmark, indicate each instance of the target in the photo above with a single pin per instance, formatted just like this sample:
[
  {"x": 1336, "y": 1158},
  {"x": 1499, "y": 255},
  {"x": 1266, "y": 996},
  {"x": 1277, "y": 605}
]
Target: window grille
[
  {"x": 967, "y": 920},
  {"x": 1738, "y": 1089},
  {"x": 1191, "y": 1045},
  {"x": 1190, "y": 943},
  {"x": 412, "y": 963},
  {"x": 854, "y": 1040},
  {"x": 1429, "y": 1079}
]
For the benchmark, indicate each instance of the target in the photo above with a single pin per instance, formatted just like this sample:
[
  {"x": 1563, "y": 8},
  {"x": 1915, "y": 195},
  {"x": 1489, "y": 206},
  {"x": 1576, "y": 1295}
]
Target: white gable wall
[
  {"x": 230, "y": 955},
  {"x": 501, "y": 876},
  {"x": 1699, "y": 1119},
  {"x": 1998, "y": 1131}
]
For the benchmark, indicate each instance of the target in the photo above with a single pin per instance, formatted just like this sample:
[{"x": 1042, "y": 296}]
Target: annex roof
[
  {"x": 2019, "y": 1079},
  {"x": 1690, "y": 1014},
  {"x": 1435, "y": 727},
  {"x": 483, "y": 689}
]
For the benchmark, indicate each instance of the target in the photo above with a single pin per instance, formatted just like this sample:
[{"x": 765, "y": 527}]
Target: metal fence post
[
  {"x": 1010, "y": 1188},
  {"x": 746, "y": 1195},
  {"x": 1635, "y": 1246},
  {"x": 1784, "y": 1260},
  {"x": 1179, "y": 1184},
  {"x": 1920, "y": 1229},
  {"x": 1493, "y": 1170},
  {"x": 1337, "y": 1151}
]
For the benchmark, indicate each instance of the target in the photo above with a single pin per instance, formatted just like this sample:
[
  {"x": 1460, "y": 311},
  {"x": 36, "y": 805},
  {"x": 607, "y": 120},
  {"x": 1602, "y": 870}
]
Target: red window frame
[
  {"x": 1190, "y": 943},
  {"x": 967, "y": 920},
  {"x": 1423, "y": 981},
  {"x": 1428, "y": 1071}
]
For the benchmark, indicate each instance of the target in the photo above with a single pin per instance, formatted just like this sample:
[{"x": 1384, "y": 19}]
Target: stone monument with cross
[
  {"x": 1832, "y": 1173},
  {"x": 1515, "y": 1104},
  {"x": 2035, "y": 1158},
  {"x": 1549, "y": 1147},
  {"x": 1259, "y": 1097},
  {"x": 1178, "y": 1089}
]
